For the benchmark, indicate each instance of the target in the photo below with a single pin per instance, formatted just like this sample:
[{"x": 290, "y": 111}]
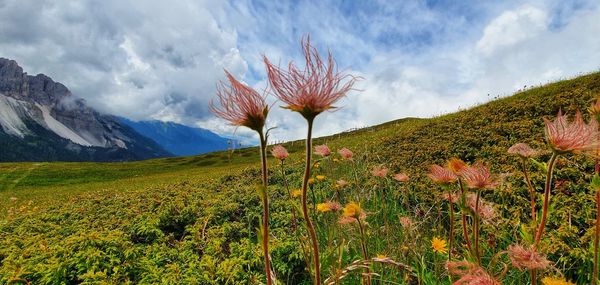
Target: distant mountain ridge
[
  {"x": 40, "y": 120},
  {"x": 179, "y": 139}
]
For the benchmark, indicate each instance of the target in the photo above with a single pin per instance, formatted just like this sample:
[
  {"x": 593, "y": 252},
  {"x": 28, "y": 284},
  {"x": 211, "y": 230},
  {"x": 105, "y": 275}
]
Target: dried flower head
[
  {"x": 470, "y": 274},
  {"x": 380, "y": 171},
  {"x": 441, "y": 175},
  {"x": 478, "y": 176},
  {"x": 401, "y": 177},
  {"x": 526, "y": 258},
  {"x": 576, "y": 136},
  {"x": 486, "y": 210},
  {"x": 341, "y": 183},
  {"x": 456, "y": 165},
  {"x": 313, "y": 90},
  {"x": 438, "y": 245},
  {"x": 279, "y": 152},
  {"x": 451, "y": 197},
  {"x": 322, "y": 150},
  {"x": 240, "y": 104},
  {"x": 406, "y": 222},
  {"x": 523, "y": 150},
  {"x": 345, "y": 153}
]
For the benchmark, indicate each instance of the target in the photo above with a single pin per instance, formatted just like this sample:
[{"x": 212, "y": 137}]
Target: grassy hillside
[{"x": 193, "y": 220}]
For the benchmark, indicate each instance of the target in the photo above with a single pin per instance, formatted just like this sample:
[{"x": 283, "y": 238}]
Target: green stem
[
  {"x": 309, "y": 224},
  {"x": 476, "y": 227},
  {"x": 363, "y": 244},
  {"x": 451, "y": 230},
  {"x": 547, "y": 189}
]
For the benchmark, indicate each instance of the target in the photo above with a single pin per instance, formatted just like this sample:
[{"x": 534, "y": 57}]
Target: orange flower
[
  {"x": 240, "y": 104},
  {"x": 456, "y": 165}
]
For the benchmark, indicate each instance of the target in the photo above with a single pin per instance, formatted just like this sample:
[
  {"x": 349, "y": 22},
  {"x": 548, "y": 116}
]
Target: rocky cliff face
[{"x": 29, "y": 102}]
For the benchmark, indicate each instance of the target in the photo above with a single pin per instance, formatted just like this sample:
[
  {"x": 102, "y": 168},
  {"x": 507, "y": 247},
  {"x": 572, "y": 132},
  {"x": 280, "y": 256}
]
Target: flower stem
[
  {"x": 364, "y": 248},
  {"x": 464, "y": 216},
  {"x": 547, "y": 189},
  {"x": 265, "y": 198},
  {"x": 597, "y": 230},
  {"x": 309, "y": 224},
  {"x": 476, "y": 227},
  {"x": 451, "y": 230}
]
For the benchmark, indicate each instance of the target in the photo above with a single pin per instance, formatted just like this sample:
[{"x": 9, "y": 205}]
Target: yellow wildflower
[
  {"x": 297, "y": 193},
  {"x": 321, "y": 177},
  {"x": 311, "y": 181},
  {"x": 438, "y": 245},
  {"x": 317, "y": 165},
  {"x": 555, "y": 281},
  {"x": 335, "y": 160},
  {"x": 352, "y": 210},
  {"x": 323, "y": 207}
]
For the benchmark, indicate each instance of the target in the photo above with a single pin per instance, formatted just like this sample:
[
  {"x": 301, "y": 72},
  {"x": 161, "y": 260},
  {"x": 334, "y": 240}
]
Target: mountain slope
[
  {"x": 179, "y": 139},
  {"x": 41, "y": 120}
]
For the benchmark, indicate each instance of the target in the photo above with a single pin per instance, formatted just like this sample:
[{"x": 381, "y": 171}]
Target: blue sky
[{"x": 159, "y": 60}]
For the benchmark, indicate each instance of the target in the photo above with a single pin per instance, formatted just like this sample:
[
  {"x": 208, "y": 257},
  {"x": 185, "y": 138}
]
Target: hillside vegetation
[{"x": 194, "y": 220}]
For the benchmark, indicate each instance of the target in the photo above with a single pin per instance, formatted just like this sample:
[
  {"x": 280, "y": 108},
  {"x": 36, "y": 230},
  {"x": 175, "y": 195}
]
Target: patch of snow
[
  {"x": 120, "y": 143},
  {"x": 9, "y": 118},
  {"x": 60, "y": 129}
]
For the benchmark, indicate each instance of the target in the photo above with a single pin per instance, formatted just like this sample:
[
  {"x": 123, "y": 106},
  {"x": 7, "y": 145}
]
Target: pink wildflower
[
  {"x": 379, "y": 171},
  {"x": 441, "y": 175},
  {"x": 312, "y": 90},
  {"x": 486, "y": 210},
  {"x": 401, "y": 177},
  {"x": 279, "y": 152},
  {"x": 341, "y": 183},
  {"x": 322, "y": 150},
  {"x": 345, "y": 153},
  {"x": 240, "y": 104},
  {"x": 526, "y": 258},
  {"x": 470, "y": 274},
  {"x": 522, "y": 150},
  {"x": 406, "y": 222},
  {"x": 576, "y": 136},
  {"x": 478, "y": 176}
]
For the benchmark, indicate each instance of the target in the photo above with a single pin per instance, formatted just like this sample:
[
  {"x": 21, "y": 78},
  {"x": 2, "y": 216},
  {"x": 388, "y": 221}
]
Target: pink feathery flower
[
  {"x": 345, "y": 153},
  {"x": 478, "y": 176},
  {"x": 486, "y": 210},
  {"x": 312, "y": 90},
  {"x": 452, "y": 197},
  {"x": 576, "y": 136},
  {"x": 322, "y": 150},
  {"x": 526, "y": 258},
  {"x": 401, "y": 177},
  {"x": 406, "y": 222},
  {"x": 379, "y": 171},
  {"x": 341, "y": 183},
  {"x": 523, "y": 150},
  {"x": 441, "y": 175},
  {"x": 470, "y": 274},
  {"x": 345, "y": 220},
  {"x": 279, "y": 152},
  {"x": 240, "y": 104}
]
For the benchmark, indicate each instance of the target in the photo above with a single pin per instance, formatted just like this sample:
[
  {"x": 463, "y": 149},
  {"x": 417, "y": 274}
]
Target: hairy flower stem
[
  {"x": 265, "y": 198},
  {"x": 597, "y": 230},
  {"x": 451, "y": 230},
  {"x": 476, "y": 227},
  {"x": 464, "y": 215},
  {"x": 531, "y": 191},
  {"x": 363, "y": 244},
  {"x": 309, "y": 224},
  {"x": 547, "y": 189}
]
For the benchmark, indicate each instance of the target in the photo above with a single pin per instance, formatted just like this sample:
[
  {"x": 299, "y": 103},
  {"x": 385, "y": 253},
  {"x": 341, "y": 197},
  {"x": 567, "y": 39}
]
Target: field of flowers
[{"x": 450, "y": 200}]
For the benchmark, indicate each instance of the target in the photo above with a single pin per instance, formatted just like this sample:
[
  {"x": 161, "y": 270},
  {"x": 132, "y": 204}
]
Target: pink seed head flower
[
  {"x": 345, "y": 153},
  {"x": 470, "y": 274},
  {"x": 451, "y": 197},
  {"x": 575, "y": 137},
  {"x": 523, "y": 150},
  {"x": 527, "y": 258},
  {"x": 341, "y": 183},
  {"x": 401, "y": 177},
  {"x": 279, "y": 152},
  {"x": 441, "y": 175},
  {"x": 322, "y": 150},
  {"x": 240, "y": 105},
  {"x": 486, "y": 212},
  {"x": 380, "y": 171},
  {"x": 479, "y": 176},
  {"x": 406, "y": 222},
  {"x": 312, "y": 90}
]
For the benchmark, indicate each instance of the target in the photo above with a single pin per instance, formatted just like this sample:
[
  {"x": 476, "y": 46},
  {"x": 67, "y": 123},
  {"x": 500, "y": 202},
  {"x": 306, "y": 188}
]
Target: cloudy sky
[{"x": 162, "y": 59}]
